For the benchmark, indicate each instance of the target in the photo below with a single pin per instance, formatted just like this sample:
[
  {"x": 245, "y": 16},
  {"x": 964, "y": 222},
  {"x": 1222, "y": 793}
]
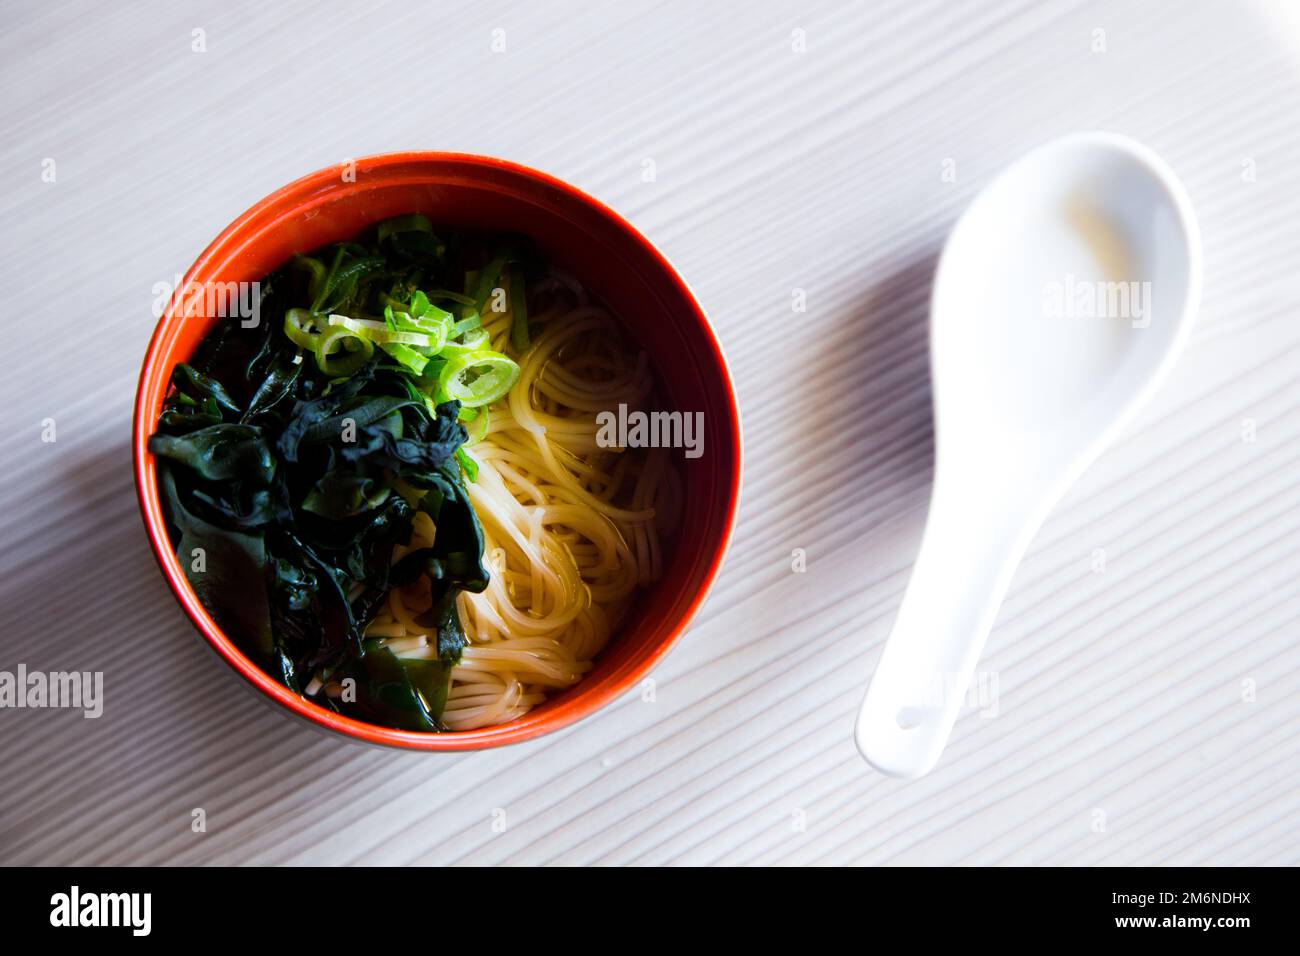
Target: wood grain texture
[{"x": 1121, "y": 692}]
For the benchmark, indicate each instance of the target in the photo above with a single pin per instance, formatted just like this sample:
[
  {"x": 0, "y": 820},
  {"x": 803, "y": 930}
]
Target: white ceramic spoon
[{"x": 1030, "y": 383}]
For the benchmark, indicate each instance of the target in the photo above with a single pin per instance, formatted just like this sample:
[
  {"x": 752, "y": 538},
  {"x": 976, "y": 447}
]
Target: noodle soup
[{"x": 391, "y": 492}]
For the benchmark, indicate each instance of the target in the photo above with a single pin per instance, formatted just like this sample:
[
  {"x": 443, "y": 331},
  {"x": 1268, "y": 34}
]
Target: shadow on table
[
  {"x": 81, "y": 592},
  {"x": 885, "y": 414},
  {"x": 841, "y": 459}
]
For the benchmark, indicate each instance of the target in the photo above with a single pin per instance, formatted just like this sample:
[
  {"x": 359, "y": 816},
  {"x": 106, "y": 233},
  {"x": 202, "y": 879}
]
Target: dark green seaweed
[{"x": 278, "y": 483}]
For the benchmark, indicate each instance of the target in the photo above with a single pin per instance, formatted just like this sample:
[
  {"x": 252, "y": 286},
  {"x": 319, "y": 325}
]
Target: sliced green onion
[
  {"x": 427, "y": 381},
  {"x": 453, "y": 296},
  {"x": 467, "y": 324},
  {"x": 434, "y": 323},
  {"x": 477, "y": 378},
  {"x": 468, "y": 463},
  {"x": 352, "y": 351},
  {"x": 379, "y": 333},
  {"x": 407, "y": 356},
  {"x": 419, "y": 304},
  {"x": 475, "y": 340},
  {"x": 300, "y": 326},
  {"x": 475, "y": 421}
]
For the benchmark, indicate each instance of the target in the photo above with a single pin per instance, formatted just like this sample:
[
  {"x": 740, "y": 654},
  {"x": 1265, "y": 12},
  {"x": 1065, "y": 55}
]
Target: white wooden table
[{"x": 1146, "y": 658}]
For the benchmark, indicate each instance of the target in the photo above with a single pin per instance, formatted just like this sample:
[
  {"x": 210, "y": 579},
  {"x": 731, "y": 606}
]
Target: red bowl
[{"x": 579, "y": 235}]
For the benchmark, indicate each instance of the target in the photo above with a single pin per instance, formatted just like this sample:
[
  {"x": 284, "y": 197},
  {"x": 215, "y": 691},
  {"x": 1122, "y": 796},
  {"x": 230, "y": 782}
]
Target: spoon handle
[{"x": 976, "y": 534}]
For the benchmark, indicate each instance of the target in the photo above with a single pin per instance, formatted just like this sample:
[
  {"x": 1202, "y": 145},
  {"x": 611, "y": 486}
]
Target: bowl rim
[{"x": 580, "y": 706}]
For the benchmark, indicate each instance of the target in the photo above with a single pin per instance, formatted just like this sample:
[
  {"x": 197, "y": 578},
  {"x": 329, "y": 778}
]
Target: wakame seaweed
[{"x": 287, "y": 478}]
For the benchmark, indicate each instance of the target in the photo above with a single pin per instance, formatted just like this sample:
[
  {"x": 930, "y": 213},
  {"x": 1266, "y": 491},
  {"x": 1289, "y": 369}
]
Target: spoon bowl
[
  {"x": 1063, "y": 296},
  {"x": 1046, "y": 283}
]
